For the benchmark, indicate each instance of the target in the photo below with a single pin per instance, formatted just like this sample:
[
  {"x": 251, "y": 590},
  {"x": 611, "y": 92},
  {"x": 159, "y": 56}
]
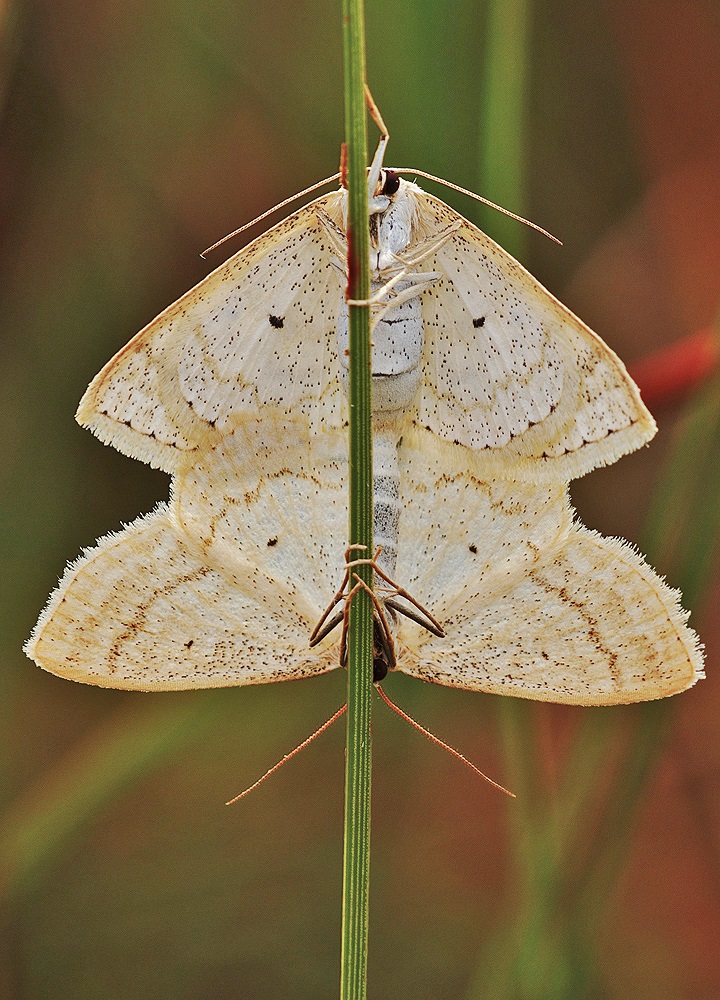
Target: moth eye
[{"x": 391, "y": 182}]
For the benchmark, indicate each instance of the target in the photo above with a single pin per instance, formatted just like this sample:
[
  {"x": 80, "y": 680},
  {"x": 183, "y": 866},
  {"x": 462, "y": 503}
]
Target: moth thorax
[{"x": 392, "y": 231}]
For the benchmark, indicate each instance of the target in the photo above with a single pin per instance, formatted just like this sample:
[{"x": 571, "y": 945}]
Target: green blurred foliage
[{"x": 131, "y": 137}]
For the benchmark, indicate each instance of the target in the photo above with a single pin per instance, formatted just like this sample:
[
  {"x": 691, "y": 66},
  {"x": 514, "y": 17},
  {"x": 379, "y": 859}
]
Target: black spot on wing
[{"x": 277, "y": 321}]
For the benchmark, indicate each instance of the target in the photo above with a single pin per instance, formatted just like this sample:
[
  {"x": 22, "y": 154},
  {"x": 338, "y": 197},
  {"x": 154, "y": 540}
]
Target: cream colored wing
[
  {"x": 510, "y": 372},
  {"x": 460, "y": 534},
  {"x": 271, "y": 495},
  {"x": 143, "y": 610},
  {"x": 259, "y": 331},
  {"x": 586, "y": 621}
]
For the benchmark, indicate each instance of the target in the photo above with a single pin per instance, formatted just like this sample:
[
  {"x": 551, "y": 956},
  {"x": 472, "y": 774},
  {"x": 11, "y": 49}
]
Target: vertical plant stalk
[
  {"x": 504, "y": 92},
  {"x": 356, "y": 863},
  {"x": 502, "y": 166}
]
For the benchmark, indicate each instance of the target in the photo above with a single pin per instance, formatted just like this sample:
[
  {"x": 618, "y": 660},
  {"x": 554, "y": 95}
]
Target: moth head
[
  {"x": 392, "y": 230},
  {"x": 389, "y": 183},
  {"x": 382, "y": 197}
]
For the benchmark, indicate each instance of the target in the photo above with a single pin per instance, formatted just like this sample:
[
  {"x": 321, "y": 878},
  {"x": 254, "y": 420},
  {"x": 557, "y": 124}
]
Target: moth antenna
[
  {"x": 478, "y": 197},
  {"x": 375, "y": 113},
  {"x": 440, "y": 743},
  {"x": 289, "y": 756},
  {"x": 275, "y": 208}
]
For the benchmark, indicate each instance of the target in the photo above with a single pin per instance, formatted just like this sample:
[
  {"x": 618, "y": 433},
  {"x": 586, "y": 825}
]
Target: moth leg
[
  {"x": 406, "y": 265},
  {"x": 418, "y": 283},
  {"x": 335, "y": 234},
  {"x": 319, "y": 633},
  {"x": 325, "y": 627},
  {"x": 425, "y": 248},
  {"x": 423, "y": 618},
  {"x": 383, "y": 635},
  {"x": 338, "y": 239},
  {"x": 406, "y": 270},
  {"x": 345, "y": 625}
]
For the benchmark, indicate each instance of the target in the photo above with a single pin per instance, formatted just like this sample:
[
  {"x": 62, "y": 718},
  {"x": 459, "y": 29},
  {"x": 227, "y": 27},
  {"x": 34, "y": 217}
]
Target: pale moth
[
  {"x": 492, "y": 361},
  {"x": 223, "y": 585},
  {"x": 544, "y": 383}
]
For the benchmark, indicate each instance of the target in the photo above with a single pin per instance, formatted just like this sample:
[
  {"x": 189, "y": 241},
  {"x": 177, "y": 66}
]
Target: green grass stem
[
  {"x": 356, "y": 863},
  {"x": 502, "y": 152}
]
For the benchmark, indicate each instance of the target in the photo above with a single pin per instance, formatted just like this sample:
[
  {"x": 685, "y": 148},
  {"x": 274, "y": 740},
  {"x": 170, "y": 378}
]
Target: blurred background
[{"x": 132, "y": 136}]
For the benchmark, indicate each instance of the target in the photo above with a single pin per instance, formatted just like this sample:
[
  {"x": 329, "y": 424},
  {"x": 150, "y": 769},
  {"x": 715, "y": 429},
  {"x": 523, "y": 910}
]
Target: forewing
[
  {"x": 510, "y": 372},
  {"x": 143, "y": 610},
  {"x": 259, "y": 331},
  {"x": 590, "y": 624}
]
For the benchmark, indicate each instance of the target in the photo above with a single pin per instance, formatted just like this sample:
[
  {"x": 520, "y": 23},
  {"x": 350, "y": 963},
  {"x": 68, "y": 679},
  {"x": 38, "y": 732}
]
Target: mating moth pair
[{"x": 489, "y": 396}]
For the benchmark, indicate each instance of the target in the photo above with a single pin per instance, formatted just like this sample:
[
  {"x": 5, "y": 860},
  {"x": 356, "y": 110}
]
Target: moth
[
  {"x": 223, "y": 585},
  {"x": 467, "y": 345}
]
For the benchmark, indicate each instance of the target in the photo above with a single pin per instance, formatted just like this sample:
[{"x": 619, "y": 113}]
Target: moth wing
[
  {"x": 271, "y": 494},
  {"x": 143, "y": 610},
  {"x": 461, "y": 534},
  {"x": 258, "y": 331},
  {"x": 510, "y": 372},
  {"x": 590, "y": 624}
]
